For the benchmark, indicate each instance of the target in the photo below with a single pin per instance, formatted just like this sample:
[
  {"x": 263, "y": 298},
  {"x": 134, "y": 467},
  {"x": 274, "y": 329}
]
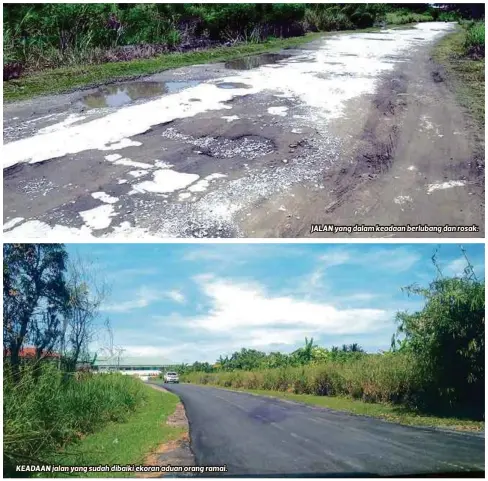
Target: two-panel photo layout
[{"x": 243, "y": 240}]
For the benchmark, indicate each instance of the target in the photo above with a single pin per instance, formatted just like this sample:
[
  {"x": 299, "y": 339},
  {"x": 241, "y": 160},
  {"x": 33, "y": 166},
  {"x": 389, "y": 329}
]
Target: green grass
[
  {"x": 48, "y": 409},
  {"x": 125, "y": 443},
  {"x": 475, "y": 35},
  {"x": 70, "y": 78},
  {"x": 402, "y": 18},
  {"x": 386, "y": 412},
  {"x": 465, "y": 75}
]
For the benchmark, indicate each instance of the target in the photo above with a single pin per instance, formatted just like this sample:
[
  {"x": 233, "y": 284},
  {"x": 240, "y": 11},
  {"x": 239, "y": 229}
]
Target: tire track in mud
[{"x": 376, "y": 147}]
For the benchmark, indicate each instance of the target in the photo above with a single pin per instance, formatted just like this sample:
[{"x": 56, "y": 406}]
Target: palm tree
[{"x": 355, "y": 348}]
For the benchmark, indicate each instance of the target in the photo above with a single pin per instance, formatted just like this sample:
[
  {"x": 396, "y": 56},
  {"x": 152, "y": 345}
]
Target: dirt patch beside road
[{"x": 174, "y": 453}]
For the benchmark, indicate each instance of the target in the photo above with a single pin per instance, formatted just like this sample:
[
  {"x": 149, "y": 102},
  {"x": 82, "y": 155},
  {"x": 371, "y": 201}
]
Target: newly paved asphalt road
[{"x": 255, "y": 435}]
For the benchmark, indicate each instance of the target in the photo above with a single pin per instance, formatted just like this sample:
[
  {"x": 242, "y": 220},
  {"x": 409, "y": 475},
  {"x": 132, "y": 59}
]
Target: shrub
[{"x": 475, "y": 40}]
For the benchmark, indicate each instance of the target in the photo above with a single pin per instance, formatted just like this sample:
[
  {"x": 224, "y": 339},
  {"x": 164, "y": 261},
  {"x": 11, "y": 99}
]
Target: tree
[
  {"x": 34, "y": 298},
  {"x": 276, "y": 360},
  {"x": 447, "y": 337},
  {"x": 303, "y": 355},
  {"x": 87, "y": 290}
]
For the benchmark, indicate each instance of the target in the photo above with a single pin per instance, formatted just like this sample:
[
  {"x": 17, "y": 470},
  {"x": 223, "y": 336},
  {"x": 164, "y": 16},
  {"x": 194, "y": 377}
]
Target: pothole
[
  {"x": 118, "y": 95},
  {"x": 247, "y": 146},
  {"x": 255, "y": 61},
  {"x": 232, "y": 85}
]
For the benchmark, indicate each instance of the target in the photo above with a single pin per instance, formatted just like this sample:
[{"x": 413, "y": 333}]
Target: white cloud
[
  {"x": 249, "y": 312},
  {"x": 392, "y": 259},
  {"x": 335, "y": 258},
  {"x": 142, "y": 298},
  {"x": 177, "y": 296},
  {"x": 235, "y": 255},
  {"x": 456, "y": 267}
]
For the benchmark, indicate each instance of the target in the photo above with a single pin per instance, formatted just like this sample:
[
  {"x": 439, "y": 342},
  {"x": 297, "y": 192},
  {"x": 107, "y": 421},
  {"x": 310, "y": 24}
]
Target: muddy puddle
[
  {"x": 232, "y": 85},
  {"x": 117, "y": 95},
  {"x": 255, "y": 61}
]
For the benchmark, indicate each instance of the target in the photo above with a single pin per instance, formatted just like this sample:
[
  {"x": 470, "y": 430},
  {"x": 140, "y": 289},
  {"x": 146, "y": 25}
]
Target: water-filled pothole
[
  {"x": 232, "y": 85},
  {"x": 117, "y": 95},
  {"x": 254, "y": 61}
]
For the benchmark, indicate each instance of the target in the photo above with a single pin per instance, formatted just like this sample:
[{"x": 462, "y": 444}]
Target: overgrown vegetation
[
  {"x": 435, "y": 364},
  {"x": 48, "y": 410},
  {"x": 404, "y": 16},
  {"x": 51, "y": 35},
  {"x": 462, "y": 57},
  {"x": 475, "y": 39}
]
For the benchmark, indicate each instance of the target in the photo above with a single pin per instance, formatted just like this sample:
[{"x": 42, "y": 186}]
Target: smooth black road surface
[{"x": 256, "y": 435}]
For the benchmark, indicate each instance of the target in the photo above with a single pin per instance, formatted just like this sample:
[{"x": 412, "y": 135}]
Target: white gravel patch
[
  {"x": 71, "y": 119},
  {"x": 445, "y": 185},
  {"x": 138, "y": 173},
  {"x": 281, "y": 111},
  {"x": 35, "y": 229},
  {"x": 12, "y": 223},
  {"x": 131, "y": 163},
  {"x": 166, "y": 180},
  {"x": 402, "y": 199},
  {"x": 121, "y": 144},
  {"x": 104, "y": 197},
  {"x": 230, "y": 118},
  {"x": 99, "y": 217},
  {"x": 113, "y": 157}
]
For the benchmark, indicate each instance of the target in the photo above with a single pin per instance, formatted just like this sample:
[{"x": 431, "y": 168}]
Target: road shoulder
[{"x": 176, "y": 452}]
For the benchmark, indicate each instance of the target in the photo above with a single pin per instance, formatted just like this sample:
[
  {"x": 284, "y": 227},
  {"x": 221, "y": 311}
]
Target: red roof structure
[{"x": 27, "y": 352}]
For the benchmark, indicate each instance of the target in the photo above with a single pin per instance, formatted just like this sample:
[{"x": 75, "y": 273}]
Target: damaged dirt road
[{"x": 353, "y": 129}]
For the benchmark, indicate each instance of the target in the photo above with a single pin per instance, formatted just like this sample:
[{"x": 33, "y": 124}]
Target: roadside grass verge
[
  {"x": 67, "y": 79},
  {"x": 475, "y": 36},
  {"x": 406, "y": 17},
  {"x": 465, "y": 75},
  {"x": 386, "y": 412},
  {"x": 48, "y": 410},
  {"x": 125, "y": 443}
]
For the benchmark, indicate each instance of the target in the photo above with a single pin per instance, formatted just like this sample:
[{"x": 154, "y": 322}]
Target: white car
[{"x": 171, "y": 377}]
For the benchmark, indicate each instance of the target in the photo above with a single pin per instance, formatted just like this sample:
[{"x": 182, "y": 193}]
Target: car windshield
[{"x": 172, "y": 374}]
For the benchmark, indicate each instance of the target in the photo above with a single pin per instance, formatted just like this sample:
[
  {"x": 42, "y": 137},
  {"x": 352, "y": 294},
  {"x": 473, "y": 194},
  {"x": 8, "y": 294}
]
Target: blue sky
[{"x": 188, "y": 302}]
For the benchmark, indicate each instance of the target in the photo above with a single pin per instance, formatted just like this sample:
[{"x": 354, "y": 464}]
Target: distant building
[
  {"x": 29, "y": 352},
  {"x": 141, "y": 366}
]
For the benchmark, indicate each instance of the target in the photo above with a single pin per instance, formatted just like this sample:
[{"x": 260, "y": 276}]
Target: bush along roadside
[
  {"x": 474, "y": 43},
  {"x": 461, "y": 56},
  {"x": 45, "y": 36},
  {"x": 51, "y": 419}
]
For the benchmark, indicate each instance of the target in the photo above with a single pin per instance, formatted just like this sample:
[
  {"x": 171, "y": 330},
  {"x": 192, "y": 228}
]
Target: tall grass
[
  {"x": 402, "y": 17},
  {"x": 52, "y": 35},
  {"x": 386, "y": 378},
  {"x": 475, "y": 38},
  {"x": 49, "y": 409}
]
